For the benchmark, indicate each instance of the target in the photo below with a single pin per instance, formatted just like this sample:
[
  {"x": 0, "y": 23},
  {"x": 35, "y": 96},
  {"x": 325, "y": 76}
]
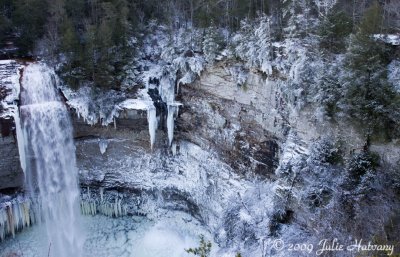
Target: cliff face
[
  {"x": 241, "y": 123},
  {"x": 244, "y": 161},
  {"x": 227, "y": 139},
  {"x": 11, "y": 174},
  {"x": 242, "y": 128}
]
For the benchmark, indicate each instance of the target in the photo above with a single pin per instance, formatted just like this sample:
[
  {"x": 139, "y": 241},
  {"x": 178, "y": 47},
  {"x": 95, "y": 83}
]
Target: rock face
[
  {"x": 225, "y": 136},
  {"x": 220, "y": 140},
  {"x": 241, "y": 128},
  {"x": 224, "y": 133},
  {"x": 241, "y": 123},
  {"x": 11, "y": 174}
]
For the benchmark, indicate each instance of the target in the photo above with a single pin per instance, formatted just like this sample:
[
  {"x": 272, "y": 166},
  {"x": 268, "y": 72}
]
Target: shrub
[{"x": 203, "y": 250}]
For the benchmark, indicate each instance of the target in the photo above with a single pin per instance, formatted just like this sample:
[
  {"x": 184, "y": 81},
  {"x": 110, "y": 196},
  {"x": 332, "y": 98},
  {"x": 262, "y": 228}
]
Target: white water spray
[{"x": 51, "y": 171}]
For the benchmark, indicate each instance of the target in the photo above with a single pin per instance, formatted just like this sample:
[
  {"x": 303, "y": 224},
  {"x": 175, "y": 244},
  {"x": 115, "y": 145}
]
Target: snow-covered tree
[
  {"x": 298, "y": 18},
  {"x": 360, "y": 164},
  {"x": 245, "y": 45},
  {"x": 211, "y": 44},
  {"x": 264, "y": 45},
  {"x": 368, "y": 96},
  {"x": 324, "y": 6}
]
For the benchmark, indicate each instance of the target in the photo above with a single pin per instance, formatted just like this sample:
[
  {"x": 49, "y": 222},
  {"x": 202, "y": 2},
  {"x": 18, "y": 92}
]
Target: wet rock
[{"x": 11, "y": 174}]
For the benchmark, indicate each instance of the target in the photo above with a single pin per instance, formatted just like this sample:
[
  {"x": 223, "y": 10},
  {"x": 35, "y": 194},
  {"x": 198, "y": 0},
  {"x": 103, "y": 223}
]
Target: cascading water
[{"x": 51, "y": 172}]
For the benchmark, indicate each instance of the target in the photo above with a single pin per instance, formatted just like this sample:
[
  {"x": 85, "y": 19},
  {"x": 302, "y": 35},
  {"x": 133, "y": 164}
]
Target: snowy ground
[{"x": 127, "y": 236}]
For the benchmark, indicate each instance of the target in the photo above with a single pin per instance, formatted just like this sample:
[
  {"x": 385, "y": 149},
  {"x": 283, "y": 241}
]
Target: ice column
[{"x": 152, "y": 120}]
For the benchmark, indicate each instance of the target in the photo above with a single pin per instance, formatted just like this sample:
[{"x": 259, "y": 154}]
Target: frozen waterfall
[
  {"x": 173, "y": 110},
  {"x": 152, "y": 120},
  {"x": 51, "y": 171}
]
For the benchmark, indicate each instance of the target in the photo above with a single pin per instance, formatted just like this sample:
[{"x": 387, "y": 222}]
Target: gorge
[
  {"x": 229, "y": 187},
  {"x": 266, "y": 131}
]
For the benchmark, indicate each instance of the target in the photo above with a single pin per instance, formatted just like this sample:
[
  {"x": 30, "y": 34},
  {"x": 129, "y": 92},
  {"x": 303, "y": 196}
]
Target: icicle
[
  {"x": 170, "y": 123},
  {"x": 88, "y": 207},
  {"x": 167, "y": 89},
  {"x": 101, "y": 194},
  {"x": 116, "y": 208},
  {"x": 119, "y": 207},
  {"x": 14, "y": 216},
  {"x": 125, "y": 207},
  {"x": 103, "y": 144},
  {"x": 115, "y": 123},
  {"x": 83, "y": 208},
  {"x": 26, "y": 214},
  {"x": 93, "y": 208},
  {"x": 20, "y": 140},
  {"x": 152, "y": 120},
  {"x": 173, "y": 110},
  {"x": 173, "y": 148},
  {"x": 3, "y": 224}
]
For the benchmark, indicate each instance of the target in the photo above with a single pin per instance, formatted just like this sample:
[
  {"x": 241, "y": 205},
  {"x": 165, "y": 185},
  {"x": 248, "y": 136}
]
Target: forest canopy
[
  {"x": 81, "y": 25},
  {"x": 327, "y": 49}
]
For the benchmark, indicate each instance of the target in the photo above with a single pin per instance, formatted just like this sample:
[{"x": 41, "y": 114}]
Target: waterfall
[{"x": 51, "y": 173}]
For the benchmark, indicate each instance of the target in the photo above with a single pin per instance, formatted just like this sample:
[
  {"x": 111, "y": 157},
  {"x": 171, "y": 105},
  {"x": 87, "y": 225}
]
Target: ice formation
[
  {"x": 20, "y": 139},
  {"x": 166, "y": 89},
  {"x": 153, "y": 123},
  {"x": 85, "y": 108},
  {"x": 172, "y": 113},
  {"x": 15, "y": 216},
  {"x": 93, "y": 207},
  {"x": 103, "y": 144},
  {"x": 111, "y": 207}
]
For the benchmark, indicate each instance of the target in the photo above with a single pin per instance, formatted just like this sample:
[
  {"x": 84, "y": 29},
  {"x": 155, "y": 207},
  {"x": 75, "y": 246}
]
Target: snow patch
[{"x": 391, "y": 39}]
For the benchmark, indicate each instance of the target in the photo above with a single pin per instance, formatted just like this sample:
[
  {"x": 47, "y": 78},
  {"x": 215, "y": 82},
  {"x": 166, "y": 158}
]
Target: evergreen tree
[
  {"x": 30, "y": 17},
  {"x": 298, "y": 17},
  {"x": 211, "y": 44},
  {"x": 56, "y": 9},
  {"x": 6, "y": 8},
  {"x": 334, "y": 30},
  {"x": 203, "y": 250},
  {"x": 245, "y": 43},
  {"x": 369, "y": 97}
]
